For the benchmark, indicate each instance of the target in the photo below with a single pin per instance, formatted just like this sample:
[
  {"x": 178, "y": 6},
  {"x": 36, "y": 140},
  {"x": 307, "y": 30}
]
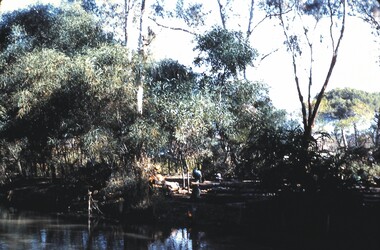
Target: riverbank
[{"x": 289, "y": 217}]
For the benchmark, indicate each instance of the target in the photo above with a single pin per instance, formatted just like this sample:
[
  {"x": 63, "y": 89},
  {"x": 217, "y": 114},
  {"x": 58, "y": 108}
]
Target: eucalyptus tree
[
  {"x": 225, "y": 52},
  {"x": 303, "y": 24},
  {"x": 368, "y": 11},
  {"x": 182, "y": 112},
  {"x": 347, "y": 108},
  {"x": 125, "y": 20},
  {"x": 241, "y": 105},
  {"x": 194, "y": 17},
  {"x": 188, "y": 17},
  {"x": 185, "y": 118}
]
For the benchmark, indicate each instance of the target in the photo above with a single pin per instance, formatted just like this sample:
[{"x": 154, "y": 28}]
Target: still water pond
[{"x": 22, "y": 230}]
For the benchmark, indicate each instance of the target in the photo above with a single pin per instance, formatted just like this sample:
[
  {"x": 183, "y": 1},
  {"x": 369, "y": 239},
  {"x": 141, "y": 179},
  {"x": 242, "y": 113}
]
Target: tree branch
[
  {"x": 310, "y": 44},
  {"x": 270, "y": 16},
  {"x": 295, "y": 73},
  {"x": 249, "y": 30},
  {"x": 222, "y": 15},
  {"x": 331, "y": 26},
  {"x": 268, "y": 54},
  {"x": 332, "y": 65},
  {"x": 171, "y": 28}
]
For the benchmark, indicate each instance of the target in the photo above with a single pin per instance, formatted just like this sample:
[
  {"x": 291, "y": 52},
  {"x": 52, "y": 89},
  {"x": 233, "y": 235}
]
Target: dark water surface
[
  {"x": 349, "y": 230},
  {"x": 25, "y": 230}
]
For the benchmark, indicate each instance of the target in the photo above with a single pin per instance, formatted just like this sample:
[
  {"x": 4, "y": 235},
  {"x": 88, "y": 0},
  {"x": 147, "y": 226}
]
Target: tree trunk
[
  {"x": 140, "y": 75},
  {"x": 356, "y": 135},
  {"x": 53, "y": 171},
  {"x": 377, "y": 132},
  {"x": 188, "y": 180},
  {"x": 20, "y": 168},
  {"x": 344, "y": 139},
  {"x": 169, "y": 166},
  {"x": 126, "y": 15},
  {"x": 183, "y": 178}
]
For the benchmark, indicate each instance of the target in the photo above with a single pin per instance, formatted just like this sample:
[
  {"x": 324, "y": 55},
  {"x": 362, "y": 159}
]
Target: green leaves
[
  {"x": 68, "y": 94},
  {"x": 34, "y": 77},
  {"x": 74, "y": 30},
  {"x": 226, "y": 52},
  {"x": 66, "y": 84},
  {"x": 68, "y": 30},
  {"x": 348, "y": 106}
]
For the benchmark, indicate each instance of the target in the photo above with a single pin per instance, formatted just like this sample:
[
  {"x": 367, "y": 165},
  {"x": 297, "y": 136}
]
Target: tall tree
[
  {"x": 141, "y": 56},
  {"x": 226, "y": 54},
  {"x": 300, "y": 23}
]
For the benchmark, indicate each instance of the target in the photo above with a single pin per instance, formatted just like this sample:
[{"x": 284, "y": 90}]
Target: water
[
  {"x": 26, "y": 230},
  {"x": 23, "y": 230}
]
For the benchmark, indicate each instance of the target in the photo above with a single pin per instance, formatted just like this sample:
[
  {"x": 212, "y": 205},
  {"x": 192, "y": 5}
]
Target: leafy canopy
[{"x": 224, "y": 51}]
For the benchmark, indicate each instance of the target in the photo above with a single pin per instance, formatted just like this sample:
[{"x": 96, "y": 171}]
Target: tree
[
  {"x": 300, "y": 23},
  {"x": 42, "y": 26},
  {"x": 368, "y": 11},
  {"x": 66, "y": 97},
  {"x": 241, "y": 105},
  {"x": 115, "y": 16},
  {"x": 177, "y": 107},
  {"x": 226, "y": 52},
  {"x": 188, "y": 121},
  {"x": 347, "y": 108},
  {"x": 188, "y": 17},
  {"x": 141, "y": 58}
]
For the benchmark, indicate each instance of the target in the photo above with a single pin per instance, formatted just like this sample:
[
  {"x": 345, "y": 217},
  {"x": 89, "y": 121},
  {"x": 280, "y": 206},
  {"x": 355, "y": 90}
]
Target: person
[
  {"x": 197, "y": 175},
  {"x": 196, "y": 192},
  {"x": 218, "y": 177}
]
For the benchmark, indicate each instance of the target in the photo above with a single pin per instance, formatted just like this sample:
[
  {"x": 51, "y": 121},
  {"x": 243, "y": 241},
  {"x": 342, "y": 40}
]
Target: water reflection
[
  {"x": 31, "y": 231},
  {"x": 182, "y": 238}
]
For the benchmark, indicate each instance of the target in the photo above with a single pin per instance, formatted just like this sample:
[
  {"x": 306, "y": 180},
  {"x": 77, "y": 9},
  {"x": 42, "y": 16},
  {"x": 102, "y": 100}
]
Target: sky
[{"x": 357, "y": 65}]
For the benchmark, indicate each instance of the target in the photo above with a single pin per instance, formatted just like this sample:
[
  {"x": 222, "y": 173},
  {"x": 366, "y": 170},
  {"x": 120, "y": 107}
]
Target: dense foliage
[
  {"x": 66, "y": 96},
  {"x": 67, "y": 103},
  {"x": 68, "y": 110}
]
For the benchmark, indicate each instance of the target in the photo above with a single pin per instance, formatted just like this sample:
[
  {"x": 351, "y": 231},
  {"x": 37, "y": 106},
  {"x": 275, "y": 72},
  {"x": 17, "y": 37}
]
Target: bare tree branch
[
  {"x": 249, "y": 29},
  {"x": 222, "y": 15},
  {"x": 310, "y": 44},
  {"x": 331, "y": 26},
  {"x": 171, "y": 28},
  {"x": 332, "y": 65},
  {"x": 268, "y": 54},
  {"x": 270, "y": 16},
  {"x": 369, "y": 16},
  {"x": 295, "y": 73}
]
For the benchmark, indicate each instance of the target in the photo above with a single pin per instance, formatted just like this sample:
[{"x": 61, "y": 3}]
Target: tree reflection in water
[
  {"x": 182, "y": 238},
  {"x": 31, "y": 231}
]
